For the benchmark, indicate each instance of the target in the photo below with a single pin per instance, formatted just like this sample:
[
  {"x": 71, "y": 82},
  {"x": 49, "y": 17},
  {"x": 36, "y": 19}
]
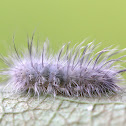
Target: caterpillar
[{"x": 78, "y": 71}]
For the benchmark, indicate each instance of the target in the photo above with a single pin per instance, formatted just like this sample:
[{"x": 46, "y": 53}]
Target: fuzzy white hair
[{"x": 71, "y": 72}]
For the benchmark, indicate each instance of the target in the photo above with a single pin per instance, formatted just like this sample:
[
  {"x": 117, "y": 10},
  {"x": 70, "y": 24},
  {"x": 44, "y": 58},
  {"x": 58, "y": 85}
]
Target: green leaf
[{"x": 18, "y": 110}]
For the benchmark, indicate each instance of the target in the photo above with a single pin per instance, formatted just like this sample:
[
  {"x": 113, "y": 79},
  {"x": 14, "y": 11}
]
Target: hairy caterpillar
[{"x": 71, "y": 72}]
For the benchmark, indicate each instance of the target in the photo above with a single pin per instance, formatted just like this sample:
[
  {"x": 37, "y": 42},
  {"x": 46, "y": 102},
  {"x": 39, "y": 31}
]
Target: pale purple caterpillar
[{"x": 71, "y": 72}]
